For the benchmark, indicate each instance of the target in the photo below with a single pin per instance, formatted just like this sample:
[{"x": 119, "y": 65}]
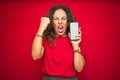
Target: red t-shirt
[{"x": 58, "y": 60}]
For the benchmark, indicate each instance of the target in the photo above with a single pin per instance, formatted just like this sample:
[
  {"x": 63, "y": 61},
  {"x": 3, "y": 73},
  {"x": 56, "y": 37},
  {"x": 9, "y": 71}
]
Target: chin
[{"x": 61, "y": 34}]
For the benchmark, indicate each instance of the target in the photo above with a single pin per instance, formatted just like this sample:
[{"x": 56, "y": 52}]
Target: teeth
[{"x": 60, "y": 27}]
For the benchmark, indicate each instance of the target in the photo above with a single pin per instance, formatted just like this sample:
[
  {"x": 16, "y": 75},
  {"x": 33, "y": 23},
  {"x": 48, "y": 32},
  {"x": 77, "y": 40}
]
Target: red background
[{"x": 99, "y": 20}]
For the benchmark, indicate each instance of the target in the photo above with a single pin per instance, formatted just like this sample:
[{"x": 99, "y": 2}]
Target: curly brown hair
[{"x": 49, "y": 33}]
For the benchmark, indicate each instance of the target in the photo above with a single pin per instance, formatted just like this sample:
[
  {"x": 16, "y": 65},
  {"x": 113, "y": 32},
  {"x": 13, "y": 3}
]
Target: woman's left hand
[{"x": 76, "y": 43}]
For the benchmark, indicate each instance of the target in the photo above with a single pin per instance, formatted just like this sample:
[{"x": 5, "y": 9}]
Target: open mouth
[{"x": 60, "y": 29}]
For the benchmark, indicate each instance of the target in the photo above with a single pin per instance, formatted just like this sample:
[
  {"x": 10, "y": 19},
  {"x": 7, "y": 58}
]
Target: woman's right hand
[{"x": 43, "y": 24}]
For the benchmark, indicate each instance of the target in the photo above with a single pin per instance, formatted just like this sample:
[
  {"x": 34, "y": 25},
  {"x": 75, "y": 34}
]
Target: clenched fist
[{"x": 43, "y": 24}]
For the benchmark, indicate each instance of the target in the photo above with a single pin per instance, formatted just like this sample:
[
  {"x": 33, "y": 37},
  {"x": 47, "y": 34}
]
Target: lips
[{"x": 60, "y": 29}]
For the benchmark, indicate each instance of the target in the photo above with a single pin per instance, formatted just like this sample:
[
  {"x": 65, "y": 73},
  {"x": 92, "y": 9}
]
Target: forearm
[
  {"x": 78, "y": 59},
  {"x": 37, "y": 48},
  {"x": 78, "y": 62}
]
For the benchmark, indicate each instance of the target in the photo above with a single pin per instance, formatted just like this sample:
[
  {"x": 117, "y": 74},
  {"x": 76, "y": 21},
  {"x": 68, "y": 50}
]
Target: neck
[{"x": 61, "y": 35}]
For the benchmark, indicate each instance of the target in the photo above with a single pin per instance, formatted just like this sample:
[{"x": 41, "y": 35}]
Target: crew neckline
[{"x": 61, "y": 37}]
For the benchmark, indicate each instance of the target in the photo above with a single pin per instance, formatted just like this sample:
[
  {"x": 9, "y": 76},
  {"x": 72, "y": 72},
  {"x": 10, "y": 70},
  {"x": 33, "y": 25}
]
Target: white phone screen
[{"x": 74, "y": 27}]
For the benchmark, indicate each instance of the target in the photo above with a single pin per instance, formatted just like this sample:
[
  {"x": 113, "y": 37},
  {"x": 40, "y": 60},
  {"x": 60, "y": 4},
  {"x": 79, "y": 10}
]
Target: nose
[{"x": 59, "y": 21}]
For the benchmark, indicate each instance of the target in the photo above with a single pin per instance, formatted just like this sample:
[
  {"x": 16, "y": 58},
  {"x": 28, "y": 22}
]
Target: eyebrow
[{"x": 61, "y": 17}]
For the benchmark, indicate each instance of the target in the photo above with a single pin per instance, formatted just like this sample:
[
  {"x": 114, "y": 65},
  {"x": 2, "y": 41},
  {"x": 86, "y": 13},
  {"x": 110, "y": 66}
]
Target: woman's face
[{"x": 60, "y": 22}]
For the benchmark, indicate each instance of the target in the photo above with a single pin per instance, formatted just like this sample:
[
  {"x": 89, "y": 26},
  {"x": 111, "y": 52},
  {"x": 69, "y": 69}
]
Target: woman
[{"x": 62, "y": 58}]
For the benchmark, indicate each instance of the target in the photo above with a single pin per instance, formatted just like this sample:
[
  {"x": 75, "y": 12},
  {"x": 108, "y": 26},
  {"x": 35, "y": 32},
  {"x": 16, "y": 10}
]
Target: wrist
[
  {"x": 40, "y": 32},
  {"x": 39, "y": 35},
  {"x": 75, "y": 47},
  {"x": 77, "y": 50}
]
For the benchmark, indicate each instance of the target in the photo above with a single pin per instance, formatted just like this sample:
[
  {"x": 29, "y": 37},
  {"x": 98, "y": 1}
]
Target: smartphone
[{"x": 74, "y": 30}]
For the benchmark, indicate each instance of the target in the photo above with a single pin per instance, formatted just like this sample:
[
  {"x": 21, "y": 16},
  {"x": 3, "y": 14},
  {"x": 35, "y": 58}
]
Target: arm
[
  {"x": 79, "y": 61},
  {"x": 37, "y": 47}
]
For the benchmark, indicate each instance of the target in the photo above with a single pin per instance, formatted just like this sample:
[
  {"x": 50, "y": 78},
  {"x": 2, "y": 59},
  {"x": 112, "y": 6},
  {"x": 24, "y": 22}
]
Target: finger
[
  {"x": 79, "y": 35},
  {"x": 78, "y": 38},
  {"x": 48, "y": 21},
  {"x": 80, "y": 30}
]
